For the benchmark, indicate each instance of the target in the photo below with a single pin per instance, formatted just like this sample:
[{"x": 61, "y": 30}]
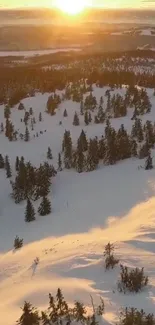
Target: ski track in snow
[{"x": 114, "y": 203}]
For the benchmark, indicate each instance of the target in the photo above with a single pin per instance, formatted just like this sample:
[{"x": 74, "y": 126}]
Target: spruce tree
[
  {"x": 148, "y": 163},
  {"x": 17, "y": 163},
  {"x": 65, "y": 113},
  {"x": 29, "y": 316},
  {"x": 7, "y": 112},
  {"x": 26, "y": 118},
  {"x": 29, "y": 212},
  {"x": 18, "y": 243},
  {"x": 81, "y": 108},
  {"x": 40, "y": 117},
  {"x": 21, "y": 107},
  {"x": 59, "y": 162},
  {"x": 80, "y": 158},
  {"x": 2, "y": 127},
  {"x": 27, "y": 135},
  {"x": 7, "y": 167},
  {"x": 76, "y": 119},
  {"x": 89, "y": 117},
  {"x": 82, "y": 141},
  {"x": 45, "y": 207},
  {"x": 67, "y": 144},
  {"x": 49, "y": 153},
  {"x": 86, "y": 118},
  {"x": 2, "y": 165},
  {"x": 31, "y": 111}
]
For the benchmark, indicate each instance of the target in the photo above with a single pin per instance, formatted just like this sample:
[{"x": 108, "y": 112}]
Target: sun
[{"x": 71, "y": 7}]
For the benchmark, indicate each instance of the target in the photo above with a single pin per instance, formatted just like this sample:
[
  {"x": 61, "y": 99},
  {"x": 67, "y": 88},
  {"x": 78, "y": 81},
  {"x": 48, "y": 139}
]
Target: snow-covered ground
[
  {"x": 37, "y": 52},
  {"x": 114, "y": 203}
]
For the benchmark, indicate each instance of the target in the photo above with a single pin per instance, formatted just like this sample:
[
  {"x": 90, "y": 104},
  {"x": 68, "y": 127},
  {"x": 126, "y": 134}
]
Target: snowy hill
[{"x": 113, "y": 203}]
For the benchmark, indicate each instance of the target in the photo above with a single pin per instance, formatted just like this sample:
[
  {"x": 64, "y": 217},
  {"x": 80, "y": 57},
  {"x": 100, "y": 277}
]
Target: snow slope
[
  {"x": 30, "y": 53},
  {"x": 114, "y": 203}
]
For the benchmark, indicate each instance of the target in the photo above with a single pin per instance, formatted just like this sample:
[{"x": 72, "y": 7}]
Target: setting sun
[{"x": 71, "y": 7}]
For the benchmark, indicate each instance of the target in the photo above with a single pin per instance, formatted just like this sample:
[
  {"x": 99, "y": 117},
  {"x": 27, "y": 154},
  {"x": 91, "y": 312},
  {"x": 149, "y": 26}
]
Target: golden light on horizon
[{"x": 71, "y": 7}]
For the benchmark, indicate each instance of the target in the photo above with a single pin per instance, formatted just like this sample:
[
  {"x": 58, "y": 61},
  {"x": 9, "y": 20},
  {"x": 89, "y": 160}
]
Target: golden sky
[{"x": 96, "y": 3}]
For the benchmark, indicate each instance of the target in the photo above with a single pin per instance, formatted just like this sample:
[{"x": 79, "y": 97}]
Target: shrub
[
  {"x": 132, "y": 316},
  {"x": 18, "y": 243},
  {"x": 110, "y": 260},
  {"x": 132, "y": 280}
]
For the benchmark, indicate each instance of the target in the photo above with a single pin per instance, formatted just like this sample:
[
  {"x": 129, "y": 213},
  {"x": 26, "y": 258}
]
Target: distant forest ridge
[{"x": 95, "y": 14}]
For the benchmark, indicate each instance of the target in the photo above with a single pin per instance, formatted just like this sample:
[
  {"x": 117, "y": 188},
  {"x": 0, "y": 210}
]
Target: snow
[
  {"x": 113, "y": 203},
  {"x": 37, "y": 52}
]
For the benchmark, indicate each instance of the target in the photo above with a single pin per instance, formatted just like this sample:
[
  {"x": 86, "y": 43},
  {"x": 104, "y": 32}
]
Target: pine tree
[
  {"x": 65, "y": 113},
  {"x": 31, "y": 111},
  {"x": 27, "y": 135},
  {"x": 49, "y": 153},
  {"x": 7, "y": 167},
  {"x": 7, "y": 112},
  {"x": 29, "y": 212},
  {"x": 40, "y": 117},
  {"x": 30, "y": 315},
  {"x": 89, "y": 117},
  {"x": 82, "y": 141},
  {"x": 45, "y": 207},
  {"x": 21, "y": 107},
  {"x": 17, "y": 163},
  {"x": 86, "y": 118},
  {"x": 81, "y": 108},
  {"x": 26, "y": 117},
  {"x": 80, "y": 158},
  {"x": 67, "y": 147},
  {"x": 148, "y": 163},
  {"x": 59, "y": 162},
  {"x": 2, "y": 165},
  {"x": 76, "y": 119},
  {"x": 18, "y": 243},
  {"x": 2, "y": 127},
  {"x": 102, "y": 148}
]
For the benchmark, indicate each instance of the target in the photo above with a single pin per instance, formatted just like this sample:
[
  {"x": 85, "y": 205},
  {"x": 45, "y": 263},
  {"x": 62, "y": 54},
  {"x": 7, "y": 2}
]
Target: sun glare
[{"x": 71, "y": 7}]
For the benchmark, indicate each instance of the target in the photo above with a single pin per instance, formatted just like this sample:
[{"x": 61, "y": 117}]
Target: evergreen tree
[
  {"x": 2, "y": 165},
  {"x": 81, "y": 108},
  {"x": 67, "y": 143},
  {"x": 29, "y": 316},
  {"x": 92, "y": 156},
  {"x": 102, "y": 148},
  {"x": 89, "y": 117},
  {"x": 18, "y": 243},
  {"x": 82, "y": 141},
  {"x": 17, "y": 163},
  {"x": 40, "y": 117},
  {"x": 86, "y": 118},
  {"x": 148, "y": 163},
  {"x": 26, "y": 118},
  {"x": 27, "y": 135},
  {"x": 49, "y": 153},
  {"x": 2, "y": 127},
  {"x": 59, "y": 162},
  {"x": 7, "y": 112},
  {"x": 101, "y": 115},
  {"x": 29, "y": 212},
  {"x": 7, "y": 167},
  {"x": 31, "y": 111},
  {"x": 45, "y": 207},
  {"x": 76, "y": 119},
  {"x": 80, "y": 159},
  {"x": 133, "y": 148},
  {"x": 21, "y": 107},
  {"x": 149, "y": 133},
  {"x": 65, "y": 113}
]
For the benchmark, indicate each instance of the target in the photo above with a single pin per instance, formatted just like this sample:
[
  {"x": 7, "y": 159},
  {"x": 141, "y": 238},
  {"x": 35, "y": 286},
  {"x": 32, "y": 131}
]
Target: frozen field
[{"x": 114, "y": 203}]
